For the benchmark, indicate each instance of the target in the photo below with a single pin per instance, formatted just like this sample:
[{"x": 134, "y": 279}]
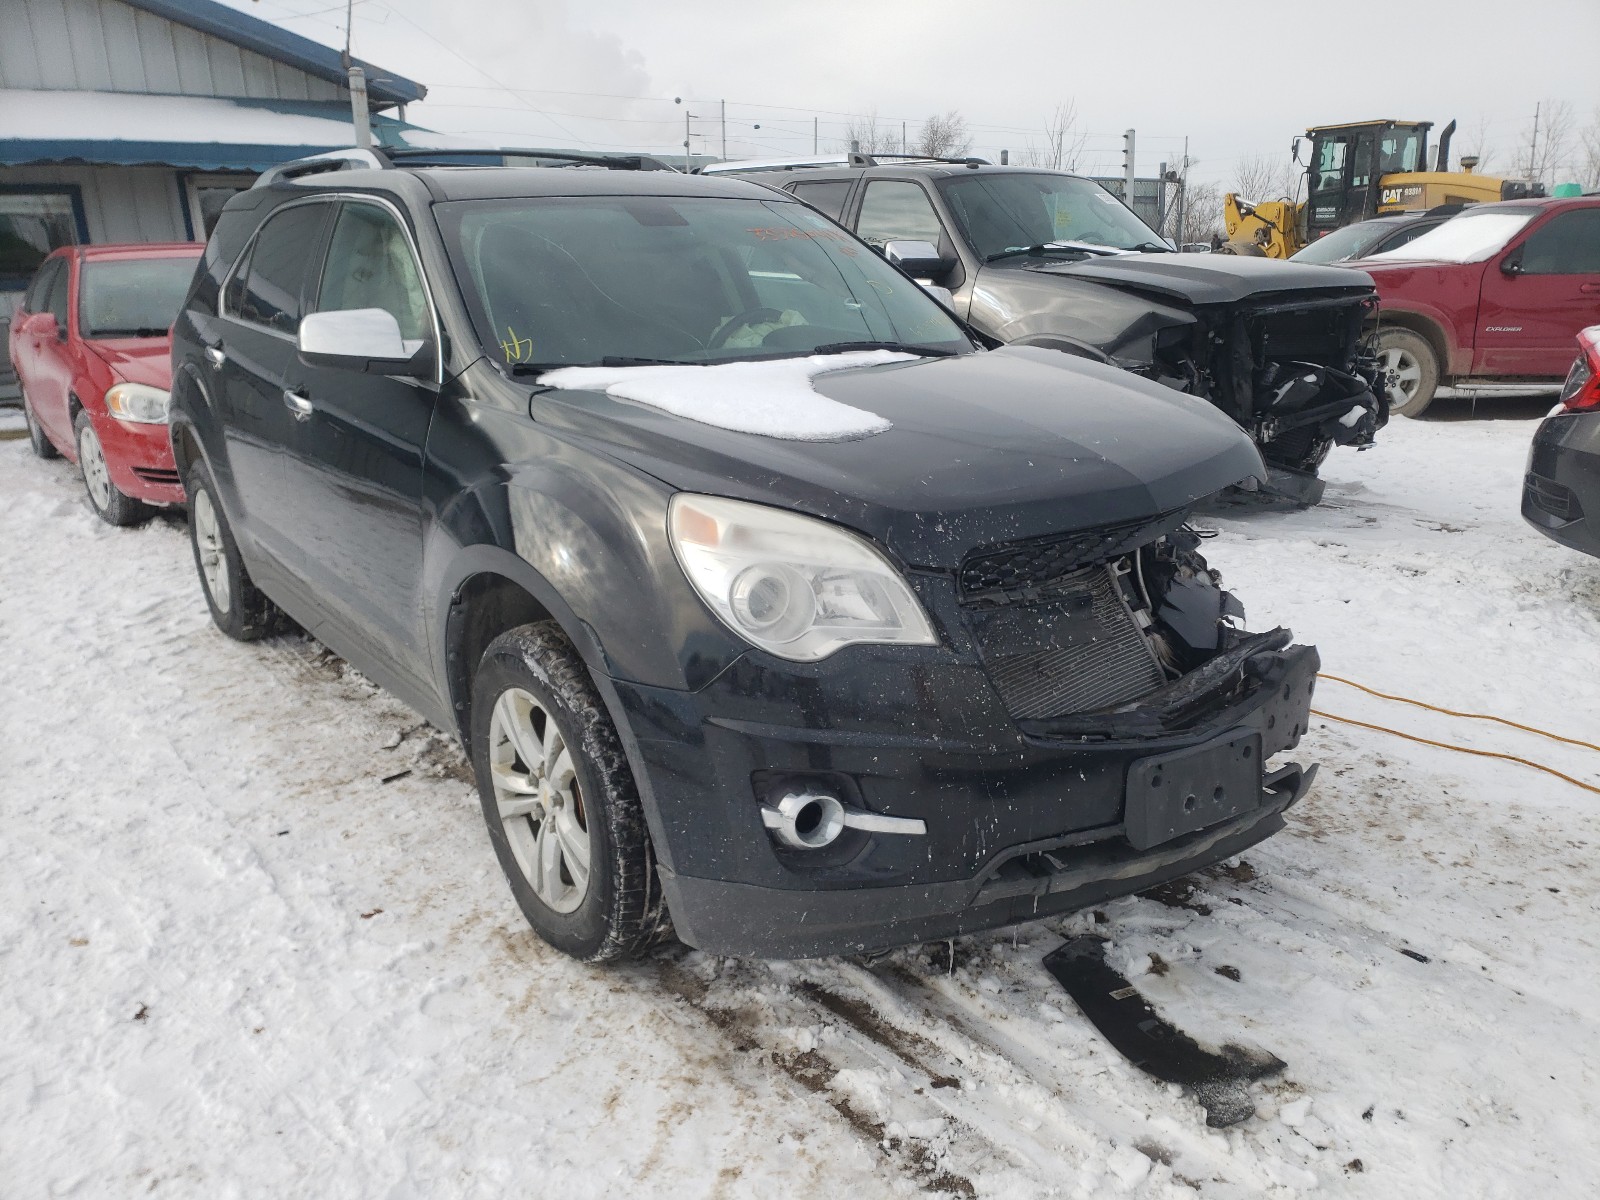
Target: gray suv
[{"x": 1045, "y": 258}]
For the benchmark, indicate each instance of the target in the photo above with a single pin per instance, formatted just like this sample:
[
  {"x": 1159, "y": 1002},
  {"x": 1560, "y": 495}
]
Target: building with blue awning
[{"x": 135, "y": 120}]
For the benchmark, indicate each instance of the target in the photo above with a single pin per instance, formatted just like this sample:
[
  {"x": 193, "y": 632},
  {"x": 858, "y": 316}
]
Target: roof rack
[
  {"x": 388, "y": 158},
  {"x": 542, "y": 156},
  {"x": 824, "y": 161},
  {"x": 353, "y": 159}
]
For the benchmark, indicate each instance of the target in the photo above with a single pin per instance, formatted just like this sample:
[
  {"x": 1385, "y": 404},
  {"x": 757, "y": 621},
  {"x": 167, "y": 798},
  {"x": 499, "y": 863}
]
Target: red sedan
[{"x": 92, "y": 352}]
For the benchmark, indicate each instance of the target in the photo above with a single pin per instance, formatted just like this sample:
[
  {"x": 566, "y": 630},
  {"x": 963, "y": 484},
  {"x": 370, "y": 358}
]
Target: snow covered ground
[{"x": 254, "y": 944}]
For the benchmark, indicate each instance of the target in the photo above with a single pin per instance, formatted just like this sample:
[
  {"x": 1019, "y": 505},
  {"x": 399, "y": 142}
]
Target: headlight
[
  {"x": 137, "y": 402},
  {"x": 792, "y": 585}
]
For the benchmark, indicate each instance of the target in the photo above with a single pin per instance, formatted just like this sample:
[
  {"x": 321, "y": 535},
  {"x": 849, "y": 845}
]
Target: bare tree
[
  {"x": 1063, "y": 141},
  {"x": 1550, "y": 141},
  {"x": 1475, "y": 142},
  {"x": 1202, "y": 212},
  {"x": 863, "y": 133},
  {"x": 1588, "y": 157},
  {"x": 1262, "y": 177},
  {"x": 944, "y": 136}
]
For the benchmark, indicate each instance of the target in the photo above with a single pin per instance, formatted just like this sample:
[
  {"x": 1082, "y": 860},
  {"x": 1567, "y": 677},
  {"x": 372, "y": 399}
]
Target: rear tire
[
  {"x": 1410, "y": 369},
  {"x": 110, "y": 504},
  {"x": 560, "y": 802},
  {"x": 238, "y": 608},
  {"x": 37, "y": 438}
]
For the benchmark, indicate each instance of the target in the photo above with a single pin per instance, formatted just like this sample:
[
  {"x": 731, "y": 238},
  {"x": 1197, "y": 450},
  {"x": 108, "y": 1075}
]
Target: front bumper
[
  {"x": 139, "y": 459},
  {"x": 1561, "y": 491},
  {"x": 1019, "y": 825}
]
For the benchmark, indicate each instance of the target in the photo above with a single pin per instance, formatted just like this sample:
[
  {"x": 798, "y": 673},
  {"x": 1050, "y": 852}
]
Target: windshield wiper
[
  {"x": 1163, "y": 249},
  {"x": 903, "y": 347},
  {"x": 610, "y": 360},
  {"x": 144, "y": 331},
  {"x": 1044, "y": 248}
]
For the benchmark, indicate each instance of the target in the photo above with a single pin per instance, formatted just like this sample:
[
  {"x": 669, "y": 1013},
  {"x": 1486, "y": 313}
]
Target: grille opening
[{"x": 1105, "y": 659}]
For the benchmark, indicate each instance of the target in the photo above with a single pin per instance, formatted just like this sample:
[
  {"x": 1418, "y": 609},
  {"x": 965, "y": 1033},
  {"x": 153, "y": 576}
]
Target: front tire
[
  {"x": 110, "y": 504},
  {"x": 37, "y": 438},
  {"x": 1410, "y": 369},
  {"x": 560, "y": 802},
  {"x": 238, "y": 608}
]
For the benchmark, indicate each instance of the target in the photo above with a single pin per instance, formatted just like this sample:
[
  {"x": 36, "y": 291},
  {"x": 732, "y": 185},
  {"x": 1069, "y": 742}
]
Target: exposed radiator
[{"x": 1105, "y": 662}]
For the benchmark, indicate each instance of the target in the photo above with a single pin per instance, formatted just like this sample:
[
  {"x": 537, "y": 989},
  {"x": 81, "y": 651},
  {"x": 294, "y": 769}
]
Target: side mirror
[
  {"x": 942, "y": 294},
  {"x": 362, "y": 339},
  {"x": 1511, "y": 264},
  {"x": 39, "y": 325},
  {"x": 920, "y": 260}
]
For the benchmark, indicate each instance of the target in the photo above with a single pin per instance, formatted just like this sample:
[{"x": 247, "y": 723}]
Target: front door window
[{"x": 370, "y": 266}]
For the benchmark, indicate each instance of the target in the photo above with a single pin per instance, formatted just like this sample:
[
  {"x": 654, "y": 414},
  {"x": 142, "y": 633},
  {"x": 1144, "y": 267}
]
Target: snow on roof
[
  {"x": 135, "y": 117},
  {"x": 772, "y": 397},
  {"x": 191, "y": 131}
]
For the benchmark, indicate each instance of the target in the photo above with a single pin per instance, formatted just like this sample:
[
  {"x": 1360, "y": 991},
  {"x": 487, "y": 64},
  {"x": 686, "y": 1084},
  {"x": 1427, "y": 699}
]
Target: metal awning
[{"x": 203, "y": 133}]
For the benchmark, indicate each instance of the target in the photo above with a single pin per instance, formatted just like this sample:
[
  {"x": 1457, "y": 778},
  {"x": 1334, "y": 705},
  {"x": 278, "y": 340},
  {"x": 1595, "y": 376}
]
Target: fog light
[{"x": 805, "y": 820}]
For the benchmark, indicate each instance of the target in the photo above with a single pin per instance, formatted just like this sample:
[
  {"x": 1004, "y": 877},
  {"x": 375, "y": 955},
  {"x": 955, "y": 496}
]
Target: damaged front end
[
  {"x": 1294, "y": 369},
  {"x": 1122, "y": 633}
]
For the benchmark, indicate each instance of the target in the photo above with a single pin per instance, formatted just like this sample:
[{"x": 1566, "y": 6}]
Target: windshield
[
  {"x": 1000, "y": 213},
  {"x": 567, "y": 281},
  {"x": 1470, "y": 237},
  {"x": 134, "y": 297},
  {"x": 1345, "y": 243}
]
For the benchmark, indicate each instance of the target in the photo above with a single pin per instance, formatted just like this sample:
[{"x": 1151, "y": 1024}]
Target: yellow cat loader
[{"x": 1360, "y": 170}]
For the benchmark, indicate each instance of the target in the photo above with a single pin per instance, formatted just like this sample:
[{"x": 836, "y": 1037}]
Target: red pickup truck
[{"x": 1495, "y": 294}]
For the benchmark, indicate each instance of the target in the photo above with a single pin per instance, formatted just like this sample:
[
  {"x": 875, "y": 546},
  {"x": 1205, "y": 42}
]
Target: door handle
[
  {"x": 215, "y": 356},
  {"x": 298, "y": 405},
  {"x": 1590, "y": 288}
]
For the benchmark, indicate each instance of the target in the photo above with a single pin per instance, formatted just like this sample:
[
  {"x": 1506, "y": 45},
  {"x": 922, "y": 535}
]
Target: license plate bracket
[{"x": 1177, "y": 793}]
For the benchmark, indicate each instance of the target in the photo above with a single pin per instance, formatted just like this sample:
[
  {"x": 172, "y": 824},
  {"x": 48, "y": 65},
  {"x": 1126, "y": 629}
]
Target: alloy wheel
[
  {"x": 539, "y": 800},
  {"x": 213, "y": 559},
  {"x": 1401, "y": 371},
  {"x": 92, "y": 460}
]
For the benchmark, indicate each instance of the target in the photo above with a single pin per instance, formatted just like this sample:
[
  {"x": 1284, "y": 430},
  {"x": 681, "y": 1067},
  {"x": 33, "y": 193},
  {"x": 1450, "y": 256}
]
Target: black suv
[
  {"x": 1044, "y": 258},
  {"x": 761, "y": 594}
]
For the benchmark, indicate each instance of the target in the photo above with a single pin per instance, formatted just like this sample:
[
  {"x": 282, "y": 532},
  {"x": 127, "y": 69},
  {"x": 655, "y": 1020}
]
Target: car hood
[
  {"x": 137, "y": 360},
  {"x": 984, "y": 448},
  {"x": 1208, "y": 278}
]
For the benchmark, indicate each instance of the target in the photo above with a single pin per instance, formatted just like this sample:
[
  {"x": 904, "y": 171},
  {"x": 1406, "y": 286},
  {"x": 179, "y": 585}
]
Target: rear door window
[
  {"x": 275, "y": 272},
  {"x": 827, "y": 196}
]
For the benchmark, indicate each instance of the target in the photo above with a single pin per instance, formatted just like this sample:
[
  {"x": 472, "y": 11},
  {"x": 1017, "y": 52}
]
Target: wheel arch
[
  {"x": 494, "y": 591},
  {"x": 1423, "y": 326}
]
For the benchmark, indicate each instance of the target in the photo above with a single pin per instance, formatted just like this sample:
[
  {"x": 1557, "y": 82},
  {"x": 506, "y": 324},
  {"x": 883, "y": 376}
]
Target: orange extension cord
[{"x": 1411, "y": 737}]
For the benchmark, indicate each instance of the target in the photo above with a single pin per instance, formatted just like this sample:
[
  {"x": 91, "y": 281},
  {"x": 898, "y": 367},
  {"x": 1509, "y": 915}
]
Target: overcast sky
[{"x": 604, "y": 73}]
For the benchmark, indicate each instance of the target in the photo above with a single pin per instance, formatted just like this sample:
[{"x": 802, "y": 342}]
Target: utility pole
[
  {"x": 902, "y": 137},
  {"x": 1183, "y": 194},
  {"x": 687, "y": 165},
  {"x": 358, "y": 108},
  {"x": 360, "y": 116},
  {"x": 1127, "y": 167},
  {"x": 1533, "y": 148},
  {"x": 814, "y": 135},
  {"x": 724, "y": 129}
]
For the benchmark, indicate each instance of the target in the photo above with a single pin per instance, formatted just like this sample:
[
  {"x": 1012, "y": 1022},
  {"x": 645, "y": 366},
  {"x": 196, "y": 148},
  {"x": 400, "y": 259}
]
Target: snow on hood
[{"x": 772, "y": 397}]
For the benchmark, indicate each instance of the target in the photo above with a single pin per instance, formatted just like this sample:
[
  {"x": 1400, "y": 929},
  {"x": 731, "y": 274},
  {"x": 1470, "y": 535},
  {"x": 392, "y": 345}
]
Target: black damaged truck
[
  {"x": 948, "y": 659},
  {"x": 1043, "y": 258}
]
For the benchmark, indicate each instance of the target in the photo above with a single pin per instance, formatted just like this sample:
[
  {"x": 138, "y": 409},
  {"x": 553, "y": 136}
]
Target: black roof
[
  {"x": 939, "y": 170},
  {"x": 487, "y": 183}
]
